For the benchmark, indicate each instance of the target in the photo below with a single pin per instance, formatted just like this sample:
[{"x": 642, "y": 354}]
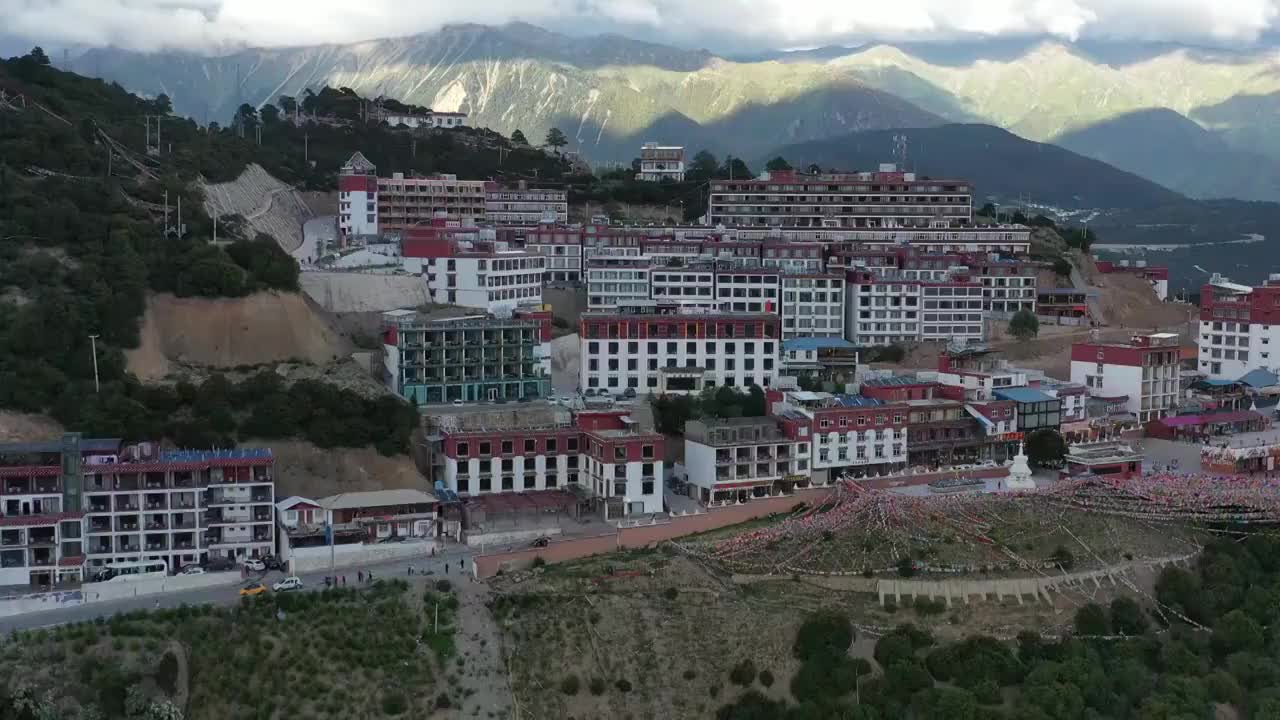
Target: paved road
[{"x": 454, "y": 555}]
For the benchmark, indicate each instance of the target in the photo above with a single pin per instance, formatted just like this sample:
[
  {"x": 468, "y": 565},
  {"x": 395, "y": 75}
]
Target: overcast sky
[{"x": 719, "y": 25}]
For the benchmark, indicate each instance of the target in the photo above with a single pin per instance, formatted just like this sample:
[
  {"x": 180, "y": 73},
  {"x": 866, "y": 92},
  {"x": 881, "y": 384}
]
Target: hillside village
[{"x": 857, "y": 394}]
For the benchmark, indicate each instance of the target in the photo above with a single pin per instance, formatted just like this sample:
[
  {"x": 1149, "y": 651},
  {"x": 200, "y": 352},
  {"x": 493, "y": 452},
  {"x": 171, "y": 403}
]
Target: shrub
[
  {"x": 596, "y": 686},
  {"x": 444, "y": 586},
  {"x": 623, "y": 685},
  {"x": 167, "y": 674},
  {"x": 744, "y": 673},
  {"x": 1063, "y": 558},
  {"x": 824, "y": 634},
  {"x": 766, "y": 678},
  {"x": 569, "y": 685},
  {"x": 906, "y": 568},
  {"x": 926, "y": 606},
  {"x": 443, "y": 702},
  {"x": 690, "y": 674},
  {"x": 539, "y": 562},
  {"x": 394, "y": 703},
  {"x": 1091, "y": 619},
  {"x": 1127, "y": 617},
  {"x": 671, "y": 593}
]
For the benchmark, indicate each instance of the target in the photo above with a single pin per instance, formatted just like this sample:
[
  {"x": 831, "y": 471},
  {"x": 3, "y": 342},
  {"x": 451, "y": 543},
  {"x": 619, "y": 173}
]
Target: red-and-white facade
[
  {"x": 1239, "y": 328},
  {"x": 600, "y": 453},
  {"x": 627, "y": 348},
  {"x": 467, "y": 266},
  {"x": 129, "y": 503},
  {"x": 1144, "y": 369},
  {"x": 358, "y": 198},
  {"x": 741, "y": 458}
]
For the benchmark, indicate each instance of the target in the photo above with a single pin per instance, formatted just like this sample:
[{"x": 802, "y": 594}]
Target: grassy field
[{"x": 369, "y": 652}]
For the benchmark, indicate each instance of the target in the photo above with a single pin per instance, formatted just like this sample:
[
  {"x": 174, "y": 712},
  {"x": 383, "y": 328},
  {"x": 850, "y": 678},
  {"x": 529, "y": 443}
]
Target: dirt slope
[
  {"x": 304, "y": 469},
  {"x": 22, "y": 427},
  {"x": 228, "y": 332}
]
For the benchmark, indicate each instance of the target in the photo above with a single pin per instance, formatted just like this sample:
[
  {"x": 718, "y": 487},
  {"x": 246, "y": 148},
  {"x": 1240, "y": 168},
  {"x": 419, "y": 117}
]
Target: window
[
  {"x": 508, "y": 482},
  {"x": 486, "y": 483},
  {"x": 531, "y": 446},
  {"x": 646, "y": 452},
  {"x": 485, "y": 449},
  {"x": 646, "y": 487},
  {"x": 530, "y": 481},
  {"x": 572, "y": 444},
  {"x": 551, "y": 446},
  {"x": 506, "y": 465},
  {"x": 463, "y": 449},
  {"x": 508, "y": 447},
  {"x": 620, "y": 453}
]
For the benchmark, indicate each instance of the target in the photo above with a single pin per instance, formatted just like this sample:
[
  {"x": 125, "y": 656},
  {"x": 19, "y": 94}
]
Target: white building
[
  {"x": 752, "y": 290},
  {"x": 1145, "y": 370},
  {"x": 741, "y": 458},
  {"x": 887, "y": 310},
  {"x": 661, "y": 162},
  {"x": 1239, "y": 327},
  {"x": 688, "y": 286},
  {"x": 427, "y": 120},
  {"x": 614, "y": 280},
  {"x": 358, "y": 197},
  {"x": 625, "y": 348},
  {"x": 812, "y": 305},
  {"x": 523, "y": 205}
]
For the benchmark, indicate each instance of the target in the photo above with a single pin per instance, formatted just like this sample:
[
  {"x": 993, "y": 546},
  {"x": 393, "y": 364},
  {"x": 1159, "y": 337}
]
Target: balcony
[
  {"x": 187, "y": 544},
  {"x": 99, "y": 525},
  {"x": 128, "y": 548},
  {"x": 260, "y": 497},
  {"x": 41, "y": 558},
  {"x": 157, "y": 523},
  {"x": 127, "y": 524},
  {"x": 10, "y": 538},
  {"x": 99, "y": 505},
  {"x": 126, "y": 505},
  {"x": 262, "y": 515}
]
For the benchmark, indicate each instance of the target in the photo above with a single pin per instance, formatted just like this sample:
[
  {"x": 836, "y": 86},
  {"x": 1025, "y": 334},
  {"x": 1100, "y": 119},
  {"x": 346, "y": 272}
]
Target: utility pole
[
  {"x": 306, "y": 149},
  {"x": 166, "y": 212},
  {"x": 93, "y": 343}
]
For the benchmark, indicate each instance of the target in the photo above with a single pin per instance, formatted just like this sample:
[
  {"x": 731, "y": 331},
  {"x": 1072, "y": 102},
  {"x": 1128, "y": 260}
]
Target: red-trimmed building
[
  {"x": 601, "y": 453},
  {"x": 1239, "y": 327},
  {"x": 627, "y": 349},
  {"x": 1110, "y": 458},
  {"x": 736, "y": 459},
  {"x": 76, "y": 505},
  {"x": 1145, "y": 369}
]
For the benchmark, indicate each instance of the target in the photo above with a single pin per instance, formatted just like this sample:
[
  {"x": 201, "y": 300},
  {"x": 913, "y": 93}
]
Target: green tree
[
  {"x": 270, "y": 114},
  {"x": 734, "y": 169},
  {"x": 824, "y": 634},
  {"x": 1237, "y": 632},
  {"x": 1127, "y": 617},
  {"x": 519, "y": 138},
  {"x": 813, "y": 169},
  {"x": 946, "y": 704},
  {"x": 702, "y": 168},
  {"x": 778, "y": 164},
  {"x": 1046, "y": 448},
  {"x": 162, "y": 104},
  {"x": 988, "y": 210},
  {"x": 1024, "y": 325},
  {"x": 1062, "y": 267},
  {"x": 556, "y": 139},
  {"x": 37, "y": 54},
  {"x": 1091, "y": 619}
]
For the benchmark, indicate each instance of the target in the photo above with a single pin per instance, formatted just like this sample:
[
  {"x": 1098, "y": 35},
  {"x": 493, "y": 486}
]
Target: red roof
[
  {"x": 73, "y": 561},
  {"x": 30, "y": 471}
]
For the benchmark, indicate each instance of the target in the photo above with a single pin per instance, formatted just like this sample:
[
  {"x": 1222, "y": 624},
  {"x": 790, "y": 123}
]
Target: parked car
[
  {"x": 630, "y": 394},
  {"x": 274, "y": 563},
  {"x": 392, "y": 539},
  {"x": 458, "y": 402},
  {"x": 540, "y": 542},
  {"x": 102, "y": 575},
  {"x": 589, "y": 392},
  {"x": 254, "y": 564},
  {"x": 289, "y": 583},
  {"x": 191, "y": 570},
  {"x": 252, "y": 589},
  {"x": 216, "y": 564}
]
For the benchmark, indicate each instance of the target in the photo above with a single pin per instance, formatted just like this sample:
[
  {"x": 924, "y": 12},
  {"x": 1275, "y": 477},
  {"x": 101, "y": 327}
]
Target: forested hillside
[{"x": 83, "y": 240}]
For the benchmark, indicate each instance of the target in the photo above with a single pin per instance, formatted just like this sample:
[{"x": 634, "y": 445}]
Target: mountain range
[{"x": 1198, "y": 121}]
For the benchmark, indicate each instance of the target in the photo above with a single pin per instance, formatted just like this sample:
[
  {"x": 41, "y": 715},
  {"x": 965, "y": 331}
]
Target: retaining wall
[
  {"x": 646, "y": 533},
  {"x": 319, "y": 559},
  {"x": 481, "y": 540},
  {"x": 104, "y": 591}
]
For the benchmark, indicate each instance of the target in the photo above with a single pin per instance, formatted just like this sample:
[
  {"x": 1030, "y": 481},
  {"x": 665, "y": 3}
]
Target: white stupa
[{"x": 1020, "y": 473}]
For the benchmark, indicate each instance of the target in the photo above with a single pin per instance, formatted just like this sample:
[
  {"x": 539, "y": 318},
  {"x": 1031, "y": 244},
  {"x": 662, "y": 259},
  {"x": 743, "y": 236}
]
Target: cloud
[{"x": 213, "y": 25}]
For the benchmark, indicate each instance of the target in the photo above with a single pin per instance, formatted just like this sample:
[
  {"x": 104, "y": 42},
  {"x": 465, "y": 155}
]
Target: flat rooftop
[{"x": 1241, "y": 441}]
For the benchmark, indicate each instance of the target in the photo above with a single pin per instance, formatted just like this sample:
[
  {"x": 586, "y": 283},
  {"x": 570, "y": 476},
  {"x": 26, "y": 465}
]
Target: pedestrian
[
  {"x": 446, "y": 567},
  {"x": 359, "y": 576},
  {"x": 410, "y": 571},
  {"x": 157, "y": 603},
  {"x": 344, "y": 581}
]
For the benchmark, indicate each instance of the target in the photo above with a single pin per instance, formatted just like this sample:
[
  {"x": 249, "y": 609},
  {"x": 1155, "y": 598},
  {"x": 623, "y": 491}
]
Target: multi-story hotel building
[
  {"x": 466, "y": 266},
  {"x": 407, "y": 201},
  {"x": 812, "y": 305},
  {"x": 75, "y": 505},
  {"x": 599, "y": 453},
  {"x": 851, "y": 434},
  {"x": 888, "y": 198},
  {"x": 523, "y": 205},
  {"x": 441, "y": 357},
  {"x": 1239, "y": 327},
  {"x": 1145, "y": 370},
  {"x": 661, "y": 162},
  {"x": 741, "y": 458},
  {"x": 626, "y": 348},
  {"x": 886, "y": 310},
  {"x": 358, "y": 198},
  {"x": 614, "y": 280}
]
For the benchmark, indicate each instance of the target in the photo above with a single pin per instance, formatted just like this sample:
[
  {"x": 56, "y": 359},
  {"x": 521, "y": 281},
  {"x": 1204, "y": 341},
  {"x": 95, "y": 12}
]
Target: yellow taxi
[{"x": 252, "y": 589}]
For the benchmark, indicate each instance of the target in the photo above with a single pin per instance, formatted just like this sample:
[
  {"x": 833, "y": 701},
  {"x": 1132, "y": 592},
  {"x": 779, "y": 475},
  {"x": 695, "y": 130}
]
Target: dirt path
[{"x": 484, "y": 680}]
